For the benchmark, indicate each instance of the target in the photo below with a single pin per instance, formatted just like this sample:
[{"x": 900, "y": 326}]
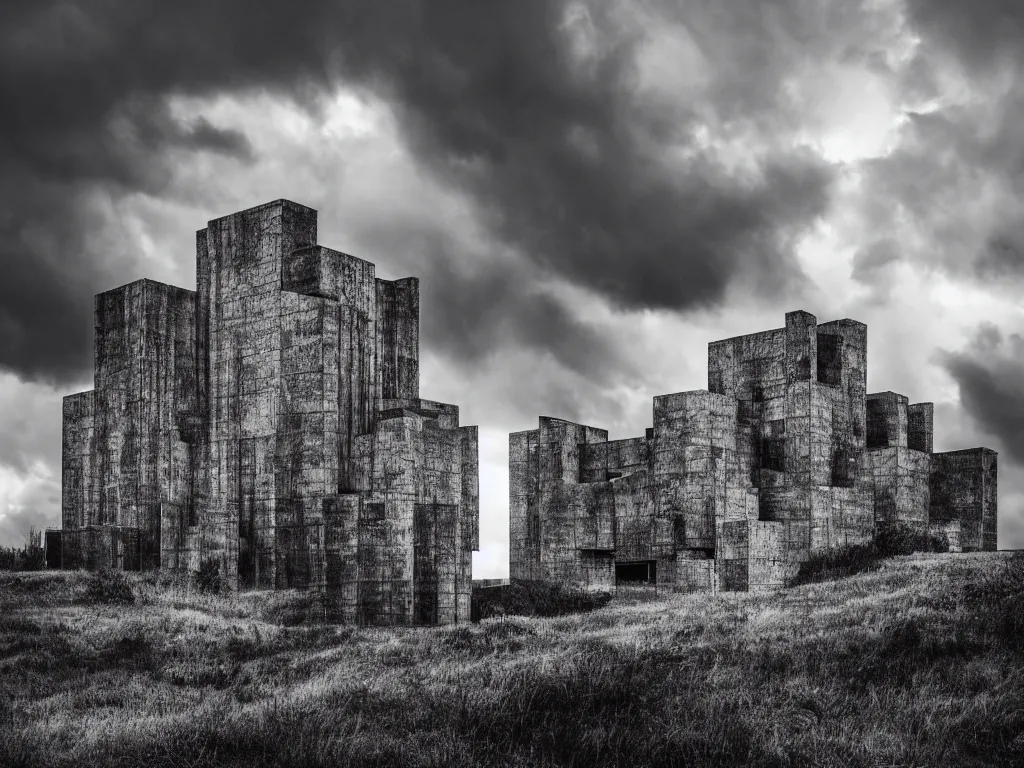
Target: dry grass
[{"x": 918, "y": 663}]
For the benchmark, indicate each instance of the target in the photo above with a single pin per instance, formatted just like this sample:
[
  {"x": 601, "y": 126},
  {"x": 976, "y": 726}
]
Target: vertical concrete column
[
  {"x": 801, "y": 346},
  {"x": 919, "y": 426},
  {"x": 522, "y": 491},
  {"x": 398, "y": 321}
]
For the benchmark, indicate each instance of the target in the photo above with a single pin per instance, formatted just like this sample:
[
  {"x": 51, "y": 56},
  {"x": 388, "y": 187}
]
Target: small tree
[{"x": 33, "y": 557}]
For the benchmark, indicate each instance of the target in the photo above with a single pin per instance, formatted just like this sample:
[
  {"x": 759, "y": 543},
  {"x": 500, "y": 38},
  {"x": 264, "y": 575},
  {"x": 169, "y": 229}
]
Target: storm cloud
[
  {"x": 990, "y": 376},
  {"x": 541, "y": 112},
  {"x": 954, "y": 184}
]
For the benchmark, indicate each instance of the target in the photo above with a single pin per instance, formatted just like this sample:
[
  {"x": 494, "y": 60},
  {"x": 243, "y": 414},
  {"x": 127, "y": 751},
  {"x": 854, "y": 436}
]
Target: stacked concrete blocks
[
  {"x": 271, "y": 421},
  {"x": 784, "y": 456}
]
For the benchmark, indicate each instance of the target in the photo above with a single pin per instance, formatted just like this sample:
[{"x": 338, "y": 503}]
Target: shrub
[
  {"x": 207, "y": 578},
  {"x": 29, "y": 558},
  {"x": 106, "y": 586},
  {"x": 533, "y": 598},
  {"x": 838, "y": 563},
  {"x": 890, "y": 541},
  {"x": 900, "y": 539}
]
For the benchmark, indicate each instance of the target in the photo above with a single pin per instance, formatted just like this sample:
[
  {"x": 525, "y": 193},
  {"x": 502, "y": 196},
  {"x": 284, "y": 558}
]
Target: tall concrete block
[
  {"x": 79, "y": 480},
  {"x": 271, "y": 421},
  {"x": 398, "y": 322},
  {"x": 801, "y": 346},
  {"x": 436, "y": 564},
  {"x": 524, "y": 519},
  {"x": 964, "y": 488},
  {"x": 886, "y": 420},
  {"x": 469, "y": 459},
  {"x": 920, "y": 417}
]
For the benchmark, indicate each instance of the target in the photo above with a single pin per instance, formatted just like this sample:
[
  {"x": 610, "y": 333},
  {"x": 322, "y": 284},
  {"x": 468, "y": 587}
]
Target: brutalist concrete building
[
  {"x": 785, "y": 454},
  {"x": 271, "y": 421}
]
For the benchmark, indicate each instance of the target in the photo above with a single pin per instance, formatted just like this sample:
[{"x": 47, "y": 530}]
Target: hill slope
[{"x": 919, "y": 663}]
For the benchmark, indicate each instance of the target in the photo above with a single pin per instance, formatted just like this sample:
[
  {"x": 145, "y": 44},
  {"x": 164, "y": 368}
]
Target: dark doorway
[
  {"x": 51, "y": 545},
  {"x": 637, "y": 572}
]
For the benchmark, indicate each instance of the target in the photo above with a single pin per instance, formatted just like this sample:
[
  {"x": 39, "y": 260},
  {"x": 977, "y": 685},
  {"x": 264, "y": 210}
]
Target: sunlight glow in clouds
[{"x": 710, "y": 98}]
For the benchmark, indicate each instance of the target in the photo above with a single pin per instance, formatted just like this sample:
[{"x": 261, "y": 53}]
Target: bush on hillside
[
  {"x": 533, "y": 598},
  {"x": 838, "y": 563},
  {"x": 890, "y": 541},
  {"x": 900, "y": 539}
]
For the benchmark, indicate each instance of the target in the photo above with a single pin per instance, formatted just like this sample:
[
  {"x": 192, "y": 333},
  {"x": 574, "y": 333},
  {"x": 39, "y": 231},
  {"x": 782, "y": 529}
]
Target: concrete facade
[
  {"x": 786, "y": 454},
  {"x": 271, "y": 421}
]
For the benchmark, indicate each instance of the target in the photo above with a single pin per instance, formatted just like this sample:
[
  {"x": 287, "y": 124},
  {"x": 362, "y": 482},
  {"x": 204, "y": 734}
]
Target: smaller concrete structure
[{"x": 785, "y": 455}]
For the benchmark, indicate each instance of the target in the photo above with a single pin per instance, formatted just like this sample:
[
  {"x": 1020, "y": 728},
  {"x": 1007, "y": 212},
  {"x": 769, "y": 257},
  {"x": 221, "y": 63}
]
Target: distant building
[
  {"x": 271, "y": 421},
  {"x": 785, "y": 455}
]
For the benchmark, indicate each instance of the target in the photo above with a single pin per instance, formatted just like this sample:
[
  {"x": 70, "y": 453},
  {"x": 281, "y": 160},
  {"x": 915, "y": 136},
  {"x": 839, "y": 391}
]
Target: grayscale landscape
[{"x": 534, "y": 383}]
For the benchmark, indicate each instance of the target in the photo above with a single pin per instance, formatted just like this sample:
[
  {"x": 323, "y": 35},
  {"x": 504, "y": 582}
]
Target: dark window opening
[
  {"x": 637, "y": 572},
  {"x": 679, "y": 531},
  {"x": 716, "y": 382},
  {"x": 53, "y": 549},
  {"x": 373, "y": 511},
  {"x": 830, "y": 359},
  {"x": 844, "y": 468},
  {"x": 773, "y": 454},
  {"x": 878, "y": 431},
  {"x": 803, "y": 368}
]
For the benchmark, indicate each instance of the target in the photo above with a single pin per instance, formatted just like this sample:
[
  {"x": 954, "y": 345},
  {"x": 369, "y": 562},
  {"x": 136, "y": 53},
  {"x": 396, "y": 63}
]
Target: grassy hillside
[{"x": 919, "y": 663}]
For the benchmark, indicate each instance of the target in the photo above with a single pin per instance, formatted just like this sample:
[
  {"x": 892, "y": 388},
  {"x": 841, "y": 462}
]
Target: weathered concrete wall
[
  {"x": 901, "y": 486},
  {"x": 239, "y": 283},
  {"x": 79, "y": 478},
  {"x": 786, "y": 455},
  {"x": 523, "y": 510},
  {"x": 694, "y": 451},
  {"x": 751, "y": 557},
  {"x": 398, "y": 313},
  {"x": 887, "y": 420},
  {"x": 920, "y": 433},
  {"x": 271, "y": 421},
  {"x": 964, "y": 487},
  {"x": 145, "y": 382}
]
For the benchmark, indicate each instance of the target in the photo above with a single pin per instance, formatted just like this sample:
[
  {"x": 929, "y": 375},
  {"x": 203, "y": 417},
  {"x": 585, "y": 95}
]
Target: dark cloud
[
  {"x": 472, "y": 315},
  {"x": 539, "y": 114},
  {"x": 981, "y": 33},
  {"x": 869, "y": 262},
  {"x": 955, "y": 182},
  {"x": 990, "y": 376}
]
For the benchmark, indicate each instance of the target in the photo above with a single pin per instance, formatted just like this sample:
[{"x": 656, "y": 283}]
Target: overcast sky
[{"x": 588, "y": 192}]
